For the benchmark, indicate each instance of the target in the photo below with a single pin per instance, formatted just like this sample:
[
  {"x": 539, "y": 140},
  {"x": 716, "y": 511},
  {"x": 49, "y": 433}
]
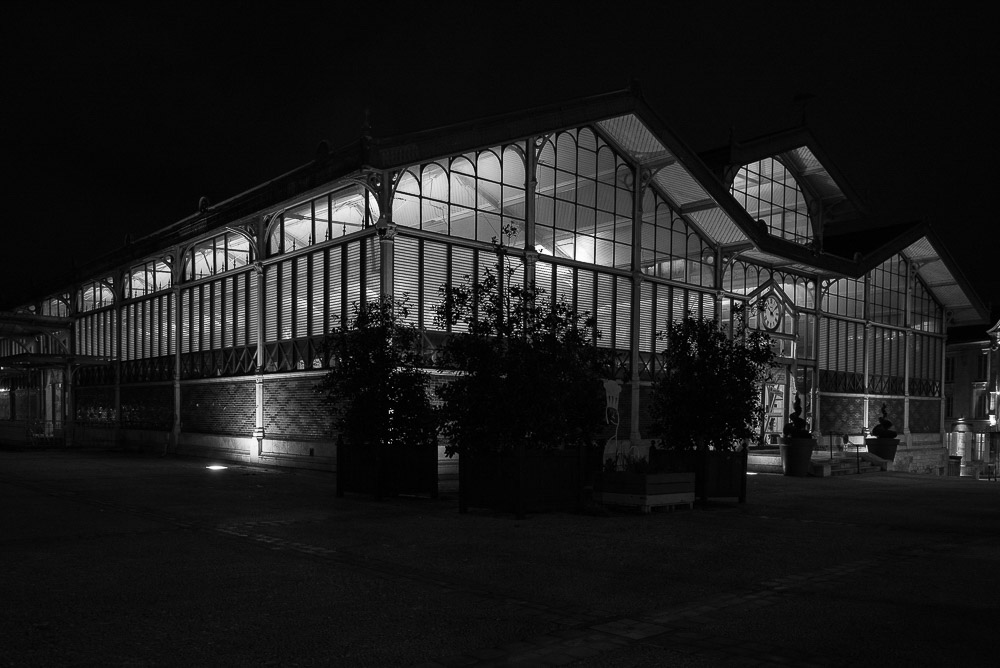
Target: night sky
[{"x": 117, "y": 122}]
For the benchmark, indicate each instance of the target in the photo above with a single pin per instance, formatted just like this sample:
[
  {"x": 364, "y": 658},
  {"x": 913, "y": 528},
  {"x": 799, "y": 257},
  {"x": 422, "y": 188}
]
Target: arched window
[
  {"x": 56, "y": 306},
  {"x": 217, "y": 255},
  {"x": 147, "y": 278},
  {"x": 768, "y": 191},
  {"x": 330, "y": 216},
  {"x": 94, "y": 295},
  {"x": 471, "y": 196}
]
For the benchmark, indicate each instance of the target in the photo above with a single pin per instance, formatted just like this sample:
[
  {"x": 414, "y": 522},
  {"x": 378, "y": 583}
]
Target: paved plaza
[{"x": 115, "y": 559}]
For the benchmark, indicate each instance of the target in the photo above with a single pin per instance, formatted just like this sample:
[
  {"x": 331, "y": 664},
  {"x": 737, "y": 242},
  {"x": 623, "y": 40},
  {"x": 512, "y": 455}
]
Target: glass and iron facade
[{"x": 216, "y": 339}]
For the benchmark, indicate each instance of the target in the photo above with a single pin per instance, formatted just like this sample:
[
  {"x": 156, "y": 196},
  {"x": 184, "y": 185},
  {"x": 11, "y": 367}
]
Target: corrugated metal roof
[
  {"x": 718, "y": 226},
  {"x": 679, "y": 185},
  {"x": 942, "y": 282},
  {"x": 809, "y": 169},
  {"x": 632, "y": 135}
]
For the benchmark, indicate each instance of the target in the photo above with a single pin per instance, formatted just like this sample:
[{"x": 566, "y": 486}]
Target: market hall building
[{"x": 205, "y": 337}]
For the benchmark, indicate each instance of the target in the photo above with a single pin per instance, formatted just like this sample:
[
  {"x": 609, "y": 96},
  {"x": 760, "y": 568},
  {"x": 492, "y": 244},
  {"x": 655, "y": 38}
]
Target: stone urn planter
[
  {"x": 884, "y": 441},
  {"x": 796, "y": 455},
  {"x": 883, "y": 447},
  {"x": 797, "y": 445}
]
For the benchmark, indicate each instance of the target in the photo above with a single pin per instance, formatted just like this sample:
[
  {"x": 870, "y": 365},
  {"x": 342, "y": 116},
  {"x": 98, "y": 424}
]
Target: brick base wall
[
  {"x": 294, "y": 409},
  {"x": 147, "y": 407},
  {"x": 925, "y": 415},
  {"x": 895, "y": 407},
  {"x": 218, "y": 407},
  {"x": 95, "y": 405},
  {"x": 841, "y": 414}
]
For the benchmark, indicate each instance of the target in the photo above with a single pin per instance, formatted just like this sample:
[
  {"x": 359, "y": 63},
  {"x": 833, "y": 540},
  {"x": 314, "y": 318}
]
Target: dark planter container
[
  {"x": 387, "y": 471},
  {"x": 718, "y": 473},
  {"x": 883, "y": 447},
  {"x": 647, "y": 490},
  {"x": 796, "y": 455},
  {"x": 537, "y": 480}
]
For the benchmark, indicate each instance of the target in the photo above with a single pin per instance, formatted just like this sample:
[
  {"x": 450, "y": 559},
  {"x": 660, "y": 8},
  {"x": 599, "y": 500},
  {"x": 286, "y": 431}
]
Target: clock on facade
[{"x": 770, "y": 313}]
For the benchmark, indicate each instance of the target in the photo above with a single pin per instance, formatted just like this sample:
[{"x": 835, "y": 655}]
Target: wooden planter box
[
  {"x": 646, "y": 491},
  {"x": 883, "y": 447},
  {"x": 718, "y": 473},
  {"x": 391, "y": 472}
]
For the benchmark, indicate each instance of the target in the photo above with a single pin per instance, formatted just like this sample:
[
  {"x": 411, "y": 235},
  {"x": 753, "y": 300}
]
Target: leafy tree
[
  {"x": 376, "y": 384},
  {"x": 527, "y": 373},
  {"x": 709, "y": 393}
]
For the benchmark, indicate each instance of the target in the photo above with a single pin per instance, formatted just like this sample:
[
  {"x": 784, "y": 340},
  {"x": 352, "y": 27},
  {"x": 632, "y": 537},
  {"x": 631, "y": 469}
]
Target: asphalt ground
[{"x": 121, "y": 559}]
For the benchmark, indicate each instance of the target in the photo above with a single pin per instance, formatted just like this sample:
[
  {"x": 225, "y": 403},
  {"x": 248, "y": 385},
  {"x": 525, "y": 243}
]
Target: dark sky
[{"x": 116, "y": 122}]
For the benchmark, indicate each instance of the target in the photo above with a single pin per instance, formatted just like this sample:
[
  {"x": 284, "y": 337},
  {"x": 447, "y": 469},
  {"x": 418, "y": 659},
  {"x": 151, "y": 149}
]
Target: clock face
[{"x": 770, "y": 313}]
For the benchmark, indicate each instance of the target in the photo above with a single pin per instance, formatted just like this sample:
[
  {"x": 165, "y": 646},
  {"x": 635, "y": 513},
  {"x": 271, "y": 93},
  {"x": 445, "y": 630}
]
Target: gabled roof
[{"x": 918, "y": 243}]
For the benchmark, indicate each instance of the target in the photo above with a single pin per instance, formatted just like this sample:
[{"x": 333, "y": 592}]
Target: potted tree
[
  {"x": 378, "y": 392},
  {"x": 524, "y": 403},
  {"x": 707, "y": 401},
  {"x": 797, "y": 444},
  {"x": 883, "y": 442}
]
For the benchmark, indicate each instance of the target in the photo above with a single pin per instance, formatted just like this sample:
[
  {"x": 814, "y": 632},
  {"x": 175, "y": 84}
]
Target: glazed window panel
[
  {"x": 406, "y": 202},
  {"x": 927, "y": 313},
  {"x": 742, "y": 278},
  {"x": 845, "y": 297},
  {"x": 200, "y": 261},
  {"x": 672, "y": 250},
  {"x": 887, "y": 292},
  {"x": 841, "y": 345},
  {"x": 925, "y": 375},
  {"x": 799, "y": 290},
  {"x": 886, "y": 360},
  {"x": 579, "y": 201}
]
